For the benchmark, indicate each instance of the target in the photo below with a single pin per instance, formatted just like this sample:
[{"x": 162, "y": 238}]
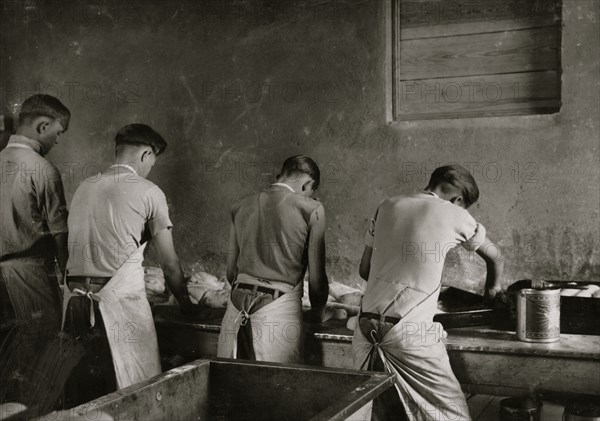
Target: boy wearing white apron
[
  {"x": 275, "y": 236},
  {"x": 113, "y": 217},
  {"x": 403, "y": 260}
]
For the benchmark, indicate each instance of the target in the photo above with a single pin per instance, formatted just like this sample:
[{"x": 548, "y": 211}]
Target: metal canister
[
  {"x": 538, "y": 315},
  {"x": 520, "y": 409}
]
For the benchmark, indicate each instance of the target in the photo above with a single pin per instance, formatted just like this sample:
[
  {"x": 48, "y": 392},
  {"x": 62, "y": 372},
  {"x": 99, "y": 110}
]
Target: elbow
[
  {"x": 169, "y": 260},
  {"x": 168, "y": 271},
  {"x": 170, "y": 268},
  {"x": 499, "y": 264},
  {"x": 498, "y": 260}
]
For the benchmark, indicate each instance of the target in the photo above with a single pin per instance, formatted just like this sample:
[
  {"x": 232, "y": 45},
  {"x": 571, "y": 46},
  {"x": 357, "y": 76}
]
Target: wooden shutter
[{"x": 467, "y": 58}]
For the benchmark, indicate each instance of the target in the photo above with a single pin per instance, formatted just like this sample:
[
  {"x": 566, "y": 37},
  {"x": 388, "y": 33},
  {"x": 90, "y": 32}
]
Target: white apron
[
  {"x": 276, "y": 329},
  {"x": 128, "y": 322},
  {"x": 414, "y": 353}
]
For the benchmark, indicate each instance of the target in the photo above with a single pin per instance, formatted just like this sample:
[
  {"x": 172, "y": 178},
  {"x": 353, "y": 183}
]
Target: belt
[
  {"x": 380, "y": 317},
  {"x": 255, "y": 288},
  {"x": 87, "y": 281}
]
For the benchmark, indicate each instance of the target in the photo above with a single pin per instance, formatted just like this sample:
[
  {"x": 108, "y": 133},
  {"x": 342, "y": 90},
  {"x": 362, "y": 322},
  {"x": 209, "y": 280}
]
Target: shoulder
[
  {"x": 307, "y": 204},
  {"x": 140, "y": 185},
  {"x": 247, "y": 202},
  {"x": 244, "y": 200},
  {"x": 49, "y": 172},
  {"x": 49, "y": 169},
  {"x": 393, "y": 201},
  {"x": 308, "y": 207},
  {"x": 144, "y": 183},
  {"x": 154, "y": 192},
  {"x": 28, "y": 158}
]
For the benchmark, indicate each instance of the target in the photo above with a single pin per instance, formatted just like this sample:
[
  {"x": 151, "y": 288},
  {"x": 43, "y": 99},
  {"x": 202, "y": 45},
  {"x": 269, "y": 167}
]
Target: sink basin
[{"x": 244, "y": 390}]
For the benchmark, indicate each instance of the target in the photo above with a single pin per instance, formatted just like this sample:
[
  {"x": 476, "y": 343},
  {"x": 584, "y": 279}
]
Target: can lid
[{"x": 537, "y": 292}]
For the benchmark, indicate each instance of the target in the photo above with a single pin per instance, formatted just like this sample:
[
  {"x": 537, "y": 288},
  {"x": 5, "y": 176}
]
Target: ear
[
  {"x": 307, "y": 184},
  {"x": 146, "y": 154},
  {"x": 41, "y": 126},
  {"x": 457, "y": 200}
]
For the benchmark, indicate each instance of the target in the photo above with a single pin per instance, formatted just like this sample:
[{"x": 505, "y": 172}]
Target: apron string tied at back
[{"x": 91, "y": 296}]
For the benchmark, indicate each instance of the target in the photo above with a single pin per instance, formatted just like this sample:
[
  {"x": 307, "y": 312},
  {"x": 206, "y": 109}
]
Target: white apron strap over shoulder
[
  {"x": 128, "y": 322},
  {"x": 276, "y": 329}
]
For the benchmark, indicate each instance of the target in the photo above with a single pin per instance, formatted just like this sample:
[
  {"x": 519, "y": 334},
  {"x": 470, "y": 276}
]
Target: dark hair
[
  {"x": 44, "y": 106},
  {"x": 302, "y": 164},
  {"x": 457, "y": 176},
  {"x": 141, "y": 135}
]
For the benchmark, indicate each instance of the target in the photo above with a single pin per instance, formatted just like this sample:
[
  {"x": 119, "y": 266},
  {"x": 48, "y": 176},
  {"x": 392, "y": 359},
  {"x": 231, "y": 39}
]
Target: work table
[{"x": 484, "y": 360}]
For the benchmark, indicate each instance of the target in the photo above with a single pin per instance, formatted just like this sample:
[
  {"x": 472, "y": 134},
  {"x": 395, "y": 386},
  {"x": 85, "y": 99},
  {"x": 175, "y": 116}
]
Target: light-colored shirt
[
  {"x": 111, "y": 215},
  {"x": 32, "y": 201},
  {"x": 272, "y": 229},
  {"x": 411, "y": 236}
]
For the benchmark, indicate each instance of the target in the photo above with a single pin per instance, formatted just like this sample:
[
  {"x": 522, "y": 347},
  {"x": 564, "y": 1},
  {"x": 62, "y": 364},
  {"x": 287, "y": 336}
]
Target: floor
[{"x": 486, "y": 408}]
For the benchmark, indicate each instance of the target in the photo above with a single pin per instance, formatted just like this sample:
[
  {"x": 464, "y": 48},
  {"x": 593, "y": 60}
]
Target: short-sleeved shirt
[
  {"x": 272, "y": 229},
  {"x": 411, "y": 237},
  {"x": 32, "y": 201},
  {"x": 112, "y": 214}
]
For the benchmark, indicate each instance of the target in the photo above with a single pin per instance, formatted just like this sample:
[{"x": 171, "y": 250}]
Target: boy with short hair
[
  {"x": 33, "y": 234},
  {"x": 405, "y": 249},
  {"x": 114, "y": 215},
  {"x": 275, "y": 236}
]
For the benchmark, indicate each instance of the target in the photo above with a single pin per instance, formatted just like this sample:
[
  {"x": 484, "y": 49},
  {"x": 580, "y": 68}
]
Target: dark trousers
[
  {"x": 93, "y": 374},
  {"x": 30, "y": 369},
  {"x": 386, "y": 406},
  {"x": 242, "y": 298}
]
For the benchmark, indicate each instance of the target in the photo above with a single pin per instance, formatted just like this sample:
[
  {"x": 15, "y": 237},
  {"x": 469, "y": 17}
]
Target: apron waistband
[
  {"x": 91, "y": 288},
  {"x": 91, "y": 280},
  {"x": 255, "y": 288},
  {"x": 252, "y": 280},
  {"x": 380, "y": 317}
]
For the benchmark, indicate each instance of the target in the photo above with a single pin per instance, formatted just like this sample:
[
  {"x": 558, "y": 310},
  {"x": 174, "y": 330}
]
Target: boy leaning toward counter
[
  {"x": 114, "y": 216},
  {"x": 276, "y": 235},
  {"x": 403, "y": 259}
]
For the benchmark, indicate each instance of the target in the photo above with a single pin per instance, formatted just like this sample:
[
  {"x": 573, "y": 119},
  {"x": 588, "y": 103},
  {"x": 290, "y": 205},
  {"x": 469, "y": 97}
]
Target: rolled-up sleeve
[
  {"x": 474, "y": 233},
  {"x": 158, "y": 211},
  {"x": 54, "y": 203}
]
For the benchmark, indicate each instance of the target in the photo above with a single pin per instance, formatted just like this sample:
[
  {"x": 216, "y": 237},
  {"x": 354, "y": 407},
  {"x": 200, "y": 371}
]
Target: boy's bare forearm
[
  {"x": 175, "y": 280},
  {"x": 365, "y": 263},
  {"x": 495, "y": 268},
  {"x": 62, "y": 253},
  {"x": 233, "y": 253},
  {"x": 494, "y": 262},
  {"x": 318, "y": 292},
  {"x": 318, "y": 285}
]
